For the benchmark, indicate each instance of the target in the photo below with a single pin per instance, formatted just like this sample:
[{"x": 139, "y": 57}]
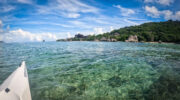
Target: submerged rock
[
  {"x": 115, "y": 81},
  {"x": 167, "y": 87}
]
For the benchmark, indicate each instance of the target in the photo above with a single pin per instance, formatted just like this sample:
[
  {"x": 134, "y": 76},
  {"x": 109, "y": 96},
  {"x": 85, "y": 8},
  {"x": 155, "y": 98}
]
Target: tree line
[{"x": 168, "y": 31}]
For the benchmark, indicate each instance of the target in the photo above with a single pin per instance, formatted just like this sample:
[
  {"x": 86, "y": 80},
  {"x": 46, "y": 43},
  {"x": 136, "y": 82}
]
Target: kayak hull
[{"x": 16, "y": 86}]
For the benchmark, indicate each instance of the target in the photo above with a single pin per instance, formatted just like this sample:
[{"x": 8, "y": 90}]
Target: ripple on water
[{"x": 97, "y": 70}]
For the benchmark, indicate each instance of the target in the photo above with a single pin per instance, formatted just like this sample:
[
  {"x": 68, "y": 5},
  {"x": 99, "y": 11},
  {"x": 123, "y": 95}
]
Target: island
[{"x": 168, "y": 31}]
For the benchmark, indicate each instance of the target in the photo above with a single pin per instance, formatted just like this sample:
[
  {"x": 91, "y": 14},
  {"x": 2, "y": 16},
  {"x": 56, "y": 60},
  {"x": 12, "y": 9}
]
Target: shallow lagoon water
[{"x": 96, "y": 70}]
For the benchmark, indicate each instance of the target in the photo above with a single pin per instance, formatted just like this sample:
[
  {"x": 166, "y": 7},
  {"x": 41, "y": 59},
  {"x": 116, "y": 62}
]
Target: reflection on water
[{"x": 96, "y": 70}]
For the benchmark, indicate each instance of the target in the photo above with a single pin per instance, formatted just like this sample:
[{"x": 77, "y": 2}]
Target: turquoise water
[{"x": 96, "y": 70}]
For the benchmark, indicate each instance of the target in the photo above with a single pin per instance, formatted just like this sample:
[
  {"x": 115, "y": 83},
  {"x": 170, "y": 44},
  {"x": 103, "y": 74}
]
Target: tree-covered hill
[{"x": 168, "y": 31}]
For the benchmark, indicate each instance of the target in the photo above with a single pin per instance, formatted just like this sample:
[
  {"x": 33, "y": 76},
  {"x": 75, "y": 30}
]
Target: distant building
[{"x": 116, "y": 34}]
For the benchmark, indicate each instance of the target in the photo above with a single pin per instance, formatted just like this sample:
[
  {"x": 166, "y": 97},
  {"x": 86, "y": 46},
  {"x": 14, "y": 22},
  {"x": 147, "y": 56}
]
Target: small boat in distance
[{"x": 16, "y": 86}]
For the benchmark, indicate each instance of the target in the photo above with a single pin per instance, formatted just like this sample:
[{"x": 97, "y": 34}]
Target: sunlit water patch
[{"x": 96, "y": 70}]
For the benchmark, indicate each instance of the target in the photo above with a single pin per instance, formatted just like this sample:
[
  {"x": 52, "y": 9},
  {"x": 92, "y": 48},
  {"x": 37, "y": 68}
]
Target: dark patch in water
[
  {"x": 154, "y": 64},
  {"x": 115, "y": 81},
  {"x": 167, "y": 87},
  {"x": 83, "y": 60},
  {"x": 72, "y": 89},
  {"x": 81, "y": 88},
  {"x": 135, "y": 95}
]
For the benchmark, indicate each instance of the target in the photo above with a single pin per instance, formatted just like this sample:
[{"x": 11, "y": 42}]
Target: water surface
[{"x": 96, "y": 70}]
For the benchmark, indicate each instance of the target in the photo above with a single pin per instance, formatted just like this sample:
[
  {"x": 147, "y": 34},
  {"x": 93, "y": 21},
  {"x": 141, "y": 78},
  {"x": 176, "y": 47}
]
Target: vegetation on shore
[{"x": 168, "y": 31}]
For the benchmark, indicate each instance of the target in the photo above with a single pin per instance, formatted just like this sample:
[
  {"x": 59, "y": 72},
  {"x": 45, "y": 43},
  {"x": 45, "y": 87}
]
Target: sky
[{"x": 37, "y": 20}]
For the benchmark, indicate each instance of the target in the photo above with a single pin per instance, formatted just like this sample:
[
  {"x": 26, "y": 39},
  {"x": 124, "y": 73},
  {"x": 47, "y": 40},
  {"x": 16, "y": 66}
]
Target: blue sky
[{"x": 35, "y": 20}]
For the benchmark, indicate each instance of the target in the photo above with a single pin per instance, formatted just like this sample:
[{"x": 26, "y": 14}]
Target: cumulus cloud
[
  {"x": 167, "y": 14},
  {"x": 20, "y": 35},
  {"x": 152, "y": 11},
  {"x": 98, "y": 30},
  {"x": 177, "y": 15},
  {"x": 125, "y": 11},
  {"x": 69, "y": 35},
  {"x": 162, "y": 2},
  {"x": 111, "y": 28}
]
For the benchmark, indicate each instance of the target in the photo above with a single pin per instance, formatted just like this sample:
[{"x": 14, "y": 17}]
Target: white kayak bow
[{"x": 16, "y": 86}]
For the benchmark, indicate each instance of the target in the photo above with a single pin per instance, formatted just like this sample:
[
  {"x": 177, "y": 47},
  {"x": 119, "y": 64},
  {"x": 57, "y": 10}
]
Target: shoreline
[
  {"x": 163, "y": 42},
  {"x": 125, "y": 41}
]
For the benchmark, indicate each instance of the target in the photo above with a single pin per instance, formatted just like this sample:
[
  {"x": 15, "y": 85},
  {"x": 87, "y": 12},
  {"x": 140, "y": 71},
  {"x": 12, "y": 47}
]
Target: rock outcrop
[
  {"x": 132, "y": 38},
  {"x": 103, "y": 39},
  {"x": 79, "y": 35},
  {"x": 108, "y": 40}
]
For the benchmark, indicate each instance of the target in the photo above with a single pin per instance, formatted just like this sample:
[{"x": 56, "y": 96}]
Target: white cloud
[
  {"x": 111, "y": 28},
  {"x": 75, "y": 6},
  {"x": 34, "y": 22},
  {"x": 68, "y": 8},
  {"x": 81, "y": 24},
  {"x": 25, "y": 1},
  {"x": 177, "y": 15},
  {"x": 147, "y": 1},
  {"x": 25, "y": 36},
  {"x": 99, "y": 20},
  {"x": 1, "y": 27},
  {"x": 152, "y": 11},
  {"x": 162, "y": 2},
  {"x": 73, "y": 15},
  {"x": 165, "y": 2},
  {"x": 69, "y": 35},
  {"x": 98, "y": 30},
  {"x": 77, "y": 22},
  {"x": 6, "y": 8},
  {"x": 125, "y": 11},
  {"x": 167, "y": 14},
  {"x": 1, "y": 23},
  {"x": 131, "y": 22}
]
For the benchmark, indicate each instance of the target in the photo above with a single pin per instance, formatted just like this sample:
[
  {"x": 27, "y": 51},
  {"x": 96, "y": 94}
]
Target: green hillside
[{"x": 168, "y": 31}]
